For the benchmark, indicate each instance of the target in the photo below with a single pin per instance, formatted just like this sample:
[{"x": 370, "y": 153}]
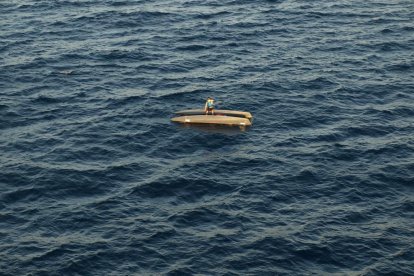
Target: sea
[{"x": 96, "y": 180}]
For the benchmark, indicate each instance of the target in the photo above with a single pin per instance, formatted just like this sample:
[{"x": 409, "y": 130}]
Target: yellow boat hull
[
  {"x": 212, "y": 119},
  {"x": 233, "y": 113}
]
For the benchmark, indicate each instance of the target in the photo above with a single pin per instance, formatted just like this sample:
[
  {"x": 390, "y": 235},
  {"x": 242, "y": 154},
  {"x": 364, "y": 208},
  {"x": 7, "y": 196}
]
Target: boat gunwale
[{"x": 233, "y": 121}]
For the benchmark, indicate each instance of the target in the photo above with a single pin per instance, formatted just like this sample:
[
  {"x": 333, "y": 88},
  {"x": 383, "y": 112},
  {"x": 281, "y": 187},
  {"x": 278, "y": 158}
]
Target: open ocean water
[{"x": 95, "y": 180}]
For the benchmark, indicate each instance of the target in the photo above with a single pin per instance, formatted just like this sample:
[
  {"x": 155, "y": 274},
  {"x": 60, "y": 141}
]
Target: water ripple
[{"x": 95, "y": 180}]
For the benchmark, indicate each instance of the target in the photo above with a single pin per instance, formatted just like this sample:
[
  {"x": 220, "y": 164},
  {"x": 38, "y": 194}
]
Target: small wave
[
  {"x": 55, "y": 253},
  {"x": 385, "y": 19},
  {"x": 123, "y": 100},
  {"x": 199, "y": 216},
  {"x": 401, "y": 112},
  {"x": 185, "y": 189},
  {"x": 162, "y": 235},
  {"x": 387, "y": 31},
  {"x": 318, "y": 253},
  {"x": 319, "y": 83},
  {"x": 401, "y": 67},
  {"x": 212, "y": 15},
  {"x": 4, "y": 107},
  {"x": 74, "y": 56},
  {"x": 407, "y": 206},
  {"x": 393, "y": 179},
  {"x": 355, "y": 217},
  {"x": 408, "y": 28},
  {"x": 177, "y": 95},
  {"x": 120, "y": 3},
  {"x": 22, "y": 195},
  {"x": 330, "y": 137},
  {"x": 11, "y": 219},
  {"x": 390, "y": 46},
  {"x": 122, "y": 55},
  {"x": 114, "y": 18},
  {"x": 368, "y": 130},
  {"x": 182, "y": 270},
  {"x": 9, "y": 6},
  {"x": 268, "y": 244},
  {"x": 11, "y": 119},
  {"x": 48, "y": 100},
  {"x": 308, "y": 175},
  {"x": 195, "y": 47}
]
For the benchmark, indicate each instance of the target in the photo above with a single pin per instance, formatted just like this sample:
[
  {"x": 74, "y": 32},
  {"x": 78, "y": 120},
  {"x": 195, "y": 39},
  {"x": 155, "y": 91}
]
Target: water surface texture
[{"x": 95, "y": 180}]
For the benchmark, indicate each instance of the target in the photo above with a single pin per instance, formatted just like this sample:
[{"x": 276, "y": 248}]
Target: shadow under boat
[{"x": 216, "y": 129}]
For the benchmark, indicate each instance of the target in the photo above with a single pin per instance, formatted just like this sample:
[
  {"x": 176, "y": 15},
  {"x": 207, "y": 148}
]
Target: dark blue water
[{"x": 95, "y": 180}]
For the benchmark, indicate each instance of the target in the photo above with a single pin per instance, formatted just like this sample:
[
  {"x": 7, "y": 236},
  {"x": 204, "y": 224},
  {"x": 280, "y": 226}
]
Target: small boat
[
  {"x": 220, "y": 117},
  {"x": 232, "y": 113}
]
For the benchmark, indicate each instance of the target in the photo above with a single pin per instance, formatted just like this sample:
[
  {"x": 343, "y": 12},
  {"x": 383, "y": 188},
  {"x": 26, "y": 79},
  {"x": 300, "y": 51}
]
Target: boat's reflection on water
[{"x": 220, "y": 129}]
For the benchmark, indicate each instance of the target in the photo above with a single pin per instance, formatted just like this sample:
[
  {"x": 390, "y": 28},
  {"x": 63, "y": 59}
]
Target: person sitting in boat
[{"x": 209, "y": 107}]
